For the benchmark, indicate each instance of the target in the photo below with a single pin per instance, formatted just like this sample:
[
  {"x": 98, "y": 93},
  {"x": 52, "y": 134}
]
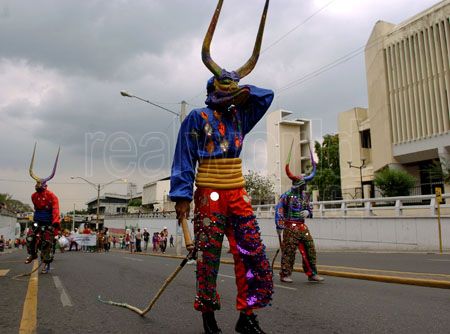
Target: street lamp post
[
  {"x": 363, "y": 165},
  {"x": 182, "y": 116},
  {"x": 99, "y": 187}
]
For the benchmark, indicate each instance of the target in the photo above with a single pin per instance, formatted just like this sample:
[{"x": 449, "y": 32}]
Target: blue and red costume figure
[
  {"x": 207, "y": 153},
  {"x": 46, "y": 219},
  {"x": 290, "y": 213}
]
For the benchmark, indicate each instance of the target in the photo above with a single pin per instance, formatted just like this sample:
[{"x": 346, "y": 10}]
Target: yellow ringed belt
[{"x": 225, "y": 173}]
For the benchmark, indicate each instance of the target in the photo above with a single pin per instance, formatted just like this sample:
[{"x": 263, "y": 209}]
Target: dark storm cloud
[{"x": 63, "y": 64}]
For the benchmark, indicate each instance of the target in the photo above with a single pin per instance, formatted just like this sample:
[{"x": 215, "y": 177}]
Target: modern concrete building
[
  {"x": 407, "y": 121},
  {"x": 155, "y": 196},
  {"x": 282, "y": 129}
]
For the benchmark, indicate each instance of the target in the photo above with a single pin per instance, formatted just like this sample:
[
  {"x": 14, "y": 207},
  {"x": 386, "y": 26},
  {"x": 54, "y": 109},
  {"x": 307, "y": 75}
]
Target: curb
[{"x": 346, "y": 274}]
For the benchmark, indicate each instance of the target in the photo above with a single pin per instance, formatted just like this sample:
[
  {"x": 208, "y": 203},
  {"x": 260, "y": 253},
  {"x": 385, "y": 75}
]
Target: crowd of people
[{"x": 136, "y": 240}]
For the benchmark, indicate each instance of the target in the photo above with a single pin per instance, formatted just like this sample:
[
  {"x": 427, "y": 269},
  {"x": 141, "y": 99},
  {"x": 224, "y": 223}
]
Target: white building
[
  {"x": 155, "y": 196},
  {"x": 282, "y": 130},
  {"x": 407, "y": 123}
]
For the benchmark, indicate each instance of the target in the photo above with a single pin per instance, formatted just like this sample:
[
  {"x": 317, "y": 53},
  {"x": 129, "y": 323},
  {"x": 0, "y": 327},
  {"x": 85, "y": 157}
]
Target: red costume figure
[
  {"x": 212, "y": 137},
  {"x": 46, "y": 220}
]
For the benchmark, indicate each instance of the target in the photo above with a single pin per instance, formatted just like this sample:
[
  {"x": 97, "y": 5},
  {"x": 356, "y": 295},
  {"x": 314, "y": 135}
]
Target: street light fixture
[
  {"x": 181, "y": 114},
  {"x": 99, "y": 187},
  {"x": 363, "y": 165}
]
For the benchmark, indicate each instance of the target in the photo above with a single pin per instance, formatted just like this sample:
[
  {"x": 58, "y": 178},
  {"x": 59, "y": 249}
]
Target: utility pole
[
  {"x": 98, "y": 187},
  {"x": 73, "y": 218},
  {"x": 98, "y": 207}
]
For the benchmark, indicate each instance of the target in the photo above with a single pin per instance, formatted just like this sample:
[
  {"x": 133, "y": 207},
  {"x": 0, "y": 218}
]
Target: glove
[{"x": 304, "y": 213}]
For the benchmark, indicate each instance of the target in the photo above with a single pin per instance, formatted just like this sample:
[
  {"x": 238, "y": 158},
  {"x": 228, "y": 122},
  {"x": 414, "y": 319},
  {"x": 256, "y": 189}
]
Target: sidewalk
[{"x": 413, "y": 268}]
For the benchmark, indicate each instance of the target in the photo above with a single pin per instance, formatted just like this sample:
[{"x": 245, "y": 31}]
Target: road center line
[
  {"x": 275, "y": 285},
  {"x": 132, "y": 258},
  {"x": 29, "y": 313},
  {"x": 64, "y": 296},
  {"x": 3, "y": 272}
]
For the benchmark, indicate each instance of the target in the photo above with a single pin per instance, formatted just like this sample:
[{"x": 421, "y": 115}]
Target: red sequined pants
[{"x": 229, "y": 212}]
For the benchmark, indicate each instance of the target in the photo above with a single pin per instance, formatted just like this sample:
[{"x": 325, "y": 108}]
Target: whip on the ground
[
  {"x": 191, "y": 255},
  {"x": 27, "y": 274}
]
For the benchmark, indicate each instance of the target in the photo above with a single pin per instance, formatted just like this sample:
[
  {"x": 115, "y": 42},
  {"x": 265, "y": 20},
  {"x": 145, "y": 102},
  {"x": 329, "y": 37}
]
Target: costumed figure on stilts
[
  {"x": 290, "y": 213},
  {"x": 212, "y": 137},
  {"x": 46, "y": 220}
]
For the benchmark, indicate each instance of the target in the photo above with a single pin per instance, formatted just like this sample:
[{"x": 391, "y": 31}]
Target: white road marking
[
  {"x": 65, "y": 299},
  {"x": 275, "y": 285},
  {"x": 132, "y": 258},
  {"x": 3, "y": 272},
  {"x": 439, "y": 260}
]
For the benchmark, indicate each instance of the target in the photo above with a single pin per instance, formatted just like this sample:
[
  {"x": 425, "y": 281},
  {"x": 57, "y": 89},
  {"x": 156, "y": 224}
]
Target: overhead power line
[
  {"x": 297, "y": 26},
  {"x": 328, "y": 66}
]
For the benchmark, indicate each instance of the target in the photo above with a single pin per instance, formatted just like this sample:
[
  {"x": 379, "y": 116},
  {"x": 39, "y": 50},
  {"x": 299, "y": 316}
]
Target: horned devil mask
[
  {"x": 300, "y": 181},
  {"x": 41, "y": 183},
  {"x": 223, "y": 89}
]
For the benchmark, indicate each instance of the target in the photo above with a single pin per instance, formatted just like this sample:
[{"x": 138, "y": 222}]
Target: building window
[
  {"x": 365, "y": 139},
  {"x": 117, "y": 210}
]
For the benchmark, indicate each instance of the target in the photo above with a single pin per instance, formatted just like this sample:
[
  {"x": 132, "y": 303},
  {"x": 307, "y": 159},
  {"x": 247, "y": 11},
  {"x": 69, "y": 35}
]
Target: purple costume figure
[{"x": 290, "y": 213}]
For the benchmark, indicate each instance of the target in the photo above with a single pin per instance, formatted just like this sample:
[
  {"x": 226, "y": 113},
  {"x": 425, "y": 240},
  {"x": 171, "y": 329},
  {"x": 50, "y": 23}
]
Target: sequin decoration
[
  {"x": 204, "y": 200},
  {"x": 224, "y": 145},
  {"x": 204, "y": 115},
  {"x": 237, "y": 142},
  {"x": 206, "y": 221},
  {"x": 246, "y": 198},
  {"x": 210, "y": 147},
  {"x": 194, "y": 134},
  {"x": 208, "y": 129}
]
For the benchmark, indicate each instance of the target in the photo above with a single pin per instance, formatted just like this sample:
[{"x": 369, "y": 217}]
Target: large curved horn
[
  {"x": 206, "y": 55},
  {"x": 54, "y": 168},
  {"x": 36, "y": 178},
  {"x": 313, "y": 173},
  {"x": 287, "y": 169},
  {"x": 251, "y": 63}
]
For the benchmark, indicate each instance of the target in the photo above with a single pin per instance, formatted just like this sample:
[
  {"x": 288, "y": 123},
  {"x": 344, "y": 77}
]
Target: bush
[{"x": 394, "y": 182}]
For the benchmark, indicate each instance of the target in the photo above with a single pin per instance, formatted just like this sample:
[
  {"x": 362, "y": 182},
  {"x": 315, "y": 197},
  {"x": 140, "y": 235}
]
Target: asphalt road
[{"x": 67, "y": 299}]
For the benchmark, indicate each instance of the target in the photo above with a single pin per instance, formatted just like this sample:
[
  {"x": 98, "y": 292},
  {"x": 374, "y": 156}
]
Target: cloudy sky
[{"x": 63, "y": 64}]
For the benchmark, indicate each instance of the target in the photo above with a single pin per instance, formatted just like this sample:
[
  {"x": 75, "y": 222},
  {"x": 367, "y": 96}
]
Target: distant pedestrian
[
  {"x": 155, "y": 241},
  {"x": 138, "y": 240},
  {"x": 171, "y": 241},
  {"x": 146, "y": 236},
  {"x": 132, "y": 241}
]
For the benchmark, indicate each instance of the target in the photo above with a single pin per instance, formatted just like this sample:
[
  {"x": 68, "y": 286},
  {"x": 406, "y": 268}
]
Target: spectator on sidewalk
[
  {"x": 138, "y": 240},
  {"x": 146, "y": 238}
]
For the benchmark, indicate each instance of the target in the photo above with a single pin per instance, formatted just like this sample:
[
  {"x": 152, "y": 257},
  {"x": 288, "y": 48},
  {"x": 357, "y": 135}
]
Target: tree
[
  {"x": 14, "y": 205},
  {"x": 135, "y": 202},
  {"x": 394, "y": 182},
  {"x": 260, "y": 188},
  {"x": 328, "y": 175}
]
